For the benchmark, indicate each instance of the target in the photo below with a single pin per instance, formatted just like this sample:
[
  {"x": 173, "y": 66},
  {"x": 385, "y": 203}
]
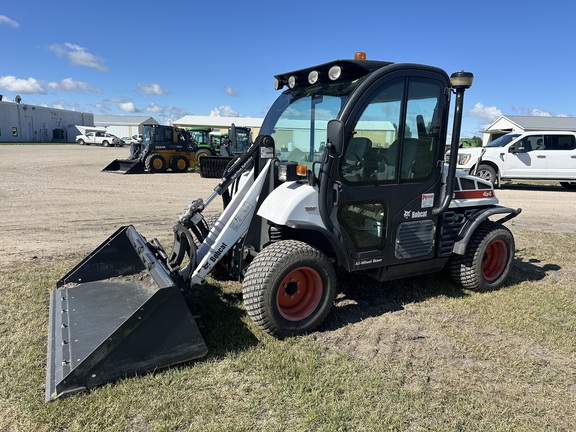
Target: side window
[
  {"x": 395, "y": 141},
  {"x": 365, "y": 223},
  {"x": 371, "y": 155},
  {"x": 561, "y": 142},
  {"x": 422, "y": 130},
  {"x": 531, "y": 142}
]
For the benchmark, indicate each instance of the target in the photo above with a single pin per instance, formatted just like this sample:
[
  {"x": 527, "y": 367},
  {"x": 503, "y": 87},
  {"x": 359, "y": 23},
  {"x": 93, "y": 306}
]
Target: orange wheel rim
[
  {"x": 495, "y": 260},
  {"x": 299, "y": 293}
]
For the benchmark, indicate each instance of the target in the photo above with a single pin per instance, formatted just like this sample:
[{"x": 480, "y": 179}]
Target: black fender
[
  {"x": 470, "y": 226},
  {"x": 341, "y": 255}
]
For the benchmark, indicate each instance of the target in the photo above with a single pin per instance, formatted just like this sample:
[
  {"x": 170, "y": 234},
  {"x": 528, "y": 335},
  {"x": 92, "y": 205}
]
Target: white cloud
[
  {"x": 224, "y": 111},
  {"x": 78, "y": 56},
  {"x": 62, "y": 104},
  {"x": 68, "y": 84},
  {"x": 128, "y": 107},
  {"x": 484, "y": 113},
  {"x": 19, "y": 85},
  {"x": 153, "y": 108},
  {"x": 540, "y": 113},
  {"x": 152, "y": 89},
  {"x": 230, "y": 91},
  {"x": 5, "y": 20},
  {"x": 165, "y": 114}
]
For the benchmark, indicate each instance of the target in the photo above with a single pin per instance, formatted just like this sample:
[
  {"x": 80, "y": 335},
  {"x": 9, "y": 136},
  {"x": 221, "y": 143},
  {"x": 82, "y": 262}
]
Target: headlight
[
  {"x": 464, "y": 158},
  {"x": 287, "y": 171},
  {"x": 335, "y": 72}
]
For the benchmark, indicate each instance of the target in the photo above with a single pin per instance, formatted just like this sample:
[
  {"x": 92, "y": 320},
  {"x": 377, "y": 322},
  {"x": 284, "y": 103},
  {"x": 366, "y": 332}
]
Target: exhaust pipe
[{"x": 460, "y": 82}]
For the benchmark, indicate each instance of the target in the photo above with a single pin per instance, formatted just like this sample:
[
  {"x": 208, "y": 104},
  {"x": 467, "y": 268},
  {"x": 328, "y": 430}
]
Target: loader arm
[
  {"x": 231, "y": 225},
  {"x": 240, "y": 196}
]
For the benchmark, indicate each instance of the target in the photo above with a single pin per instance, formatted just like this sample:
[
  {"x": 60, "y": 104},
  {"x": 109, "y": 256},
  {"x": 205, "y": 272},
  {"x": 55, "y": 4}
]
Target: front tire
[
  {"x": 488, "y": 258},
  {"x": 486, "y": 172},
  {"x": 155, "y": 163},
  {"x": 289, "y": 288}
]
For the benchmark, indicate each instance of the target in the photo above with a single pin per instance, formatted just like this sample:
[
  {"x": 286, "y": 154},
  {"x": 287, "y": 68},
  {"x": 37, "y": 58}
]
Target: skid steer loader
[
  {"x": 163, "y": 148},
  {"x": 347, "y": 174}
]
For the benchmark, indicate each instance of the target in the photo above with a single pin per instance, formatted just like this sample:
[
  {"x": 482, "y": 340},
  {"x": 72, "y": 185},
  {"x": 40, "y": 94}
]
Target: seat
[
  {"x": 539, "y": 144},
  {"x": 358, "y": 148},
  {"x": 354, "y": 158}
]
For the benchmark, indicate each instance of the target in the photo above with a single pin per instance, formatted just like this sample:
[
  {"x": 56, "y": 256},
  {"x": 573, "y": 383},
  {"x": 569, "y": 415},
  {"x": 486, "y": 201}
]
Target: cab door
[
  {"x": 386, "y": 181},
  {"x": 561, "y": 155},
  {"x": 526, "y": 158}
]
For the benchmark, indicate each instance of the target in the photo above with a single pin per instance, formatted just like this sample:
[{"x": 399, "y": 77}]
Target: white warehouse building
[
  {"x": 123, "y": 126},
  {"x": 20, "y": 122}
]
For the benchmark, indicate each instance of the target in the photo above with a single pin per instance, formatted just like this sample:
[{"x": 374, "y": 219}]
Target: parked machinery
[
  {"x": 162, "y": 148},
  {"x": 347, "y": 174}
]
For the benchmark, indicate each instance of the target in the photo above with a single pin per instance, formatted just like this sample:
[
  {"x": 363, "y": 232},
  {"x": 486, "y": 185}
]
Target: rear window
[{"x": 562, "y": 142}]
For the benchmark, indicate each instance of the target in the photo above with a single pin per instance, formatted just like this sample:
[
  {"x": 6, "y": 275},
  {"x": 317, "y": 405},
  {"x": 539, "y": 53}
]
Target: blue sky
[{"x": 168, "y": 59}]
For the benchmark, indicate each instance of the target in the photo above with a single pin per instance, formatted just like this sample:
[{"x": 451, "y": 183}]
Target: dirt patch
[{"x": 55, "y": 201}]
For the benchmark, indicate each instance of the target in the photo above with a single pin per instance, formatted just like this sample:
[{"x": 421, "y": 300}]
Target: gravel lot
[{"x": 54, "y": 201}]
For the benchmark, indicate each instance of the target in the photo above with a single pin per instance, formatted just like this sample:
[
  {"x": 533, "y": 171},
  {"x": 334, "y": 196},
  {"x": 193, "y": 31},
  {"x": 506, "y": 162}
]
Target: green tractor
[
  {"x": 207, "y": 141},
  {"x": 233, "y": 144}
]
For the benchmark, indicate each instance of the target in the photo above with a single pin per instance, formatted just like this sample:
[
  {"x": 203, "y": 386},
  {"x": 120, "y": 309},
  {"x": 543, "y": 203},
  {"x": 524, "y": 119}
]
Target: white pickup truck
[
  {"x": 100, "y": 138},
  {"x": 536, "y": 155}
]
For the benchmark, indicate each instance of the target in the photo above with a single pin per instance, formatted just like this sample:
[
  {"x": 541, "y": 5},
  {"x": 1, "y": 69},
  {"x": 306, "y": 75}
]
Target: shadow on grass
[
  {"x": 360, "y": 297},
  {"x": 529, "y": 270},
  {"x": 224, "y": 319}
]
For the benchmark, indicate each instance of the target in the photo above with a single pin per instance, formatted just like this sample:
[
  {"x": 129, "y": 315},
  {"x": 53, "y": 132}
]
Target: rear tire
[
  {"x": 289, "y": 288},
  {"x": 179, "y": 164},
  {"x": 105, "y": 143},
  {"x": 202, "y": 152},
  {"x": 568, "y": 185},
  {"x": 155, "y": 163},
  {"x": 488, "y": 258}
]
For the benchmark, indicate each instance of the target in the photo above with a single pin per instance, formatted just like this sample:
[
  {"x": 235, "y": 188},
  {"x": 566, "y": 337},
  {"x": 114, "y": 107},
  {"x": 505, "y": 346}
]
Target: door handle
[
  {"x": 336, "y": 193},
  {"x": 541, "y": 157},
  {"x": 573, "y": 156}
]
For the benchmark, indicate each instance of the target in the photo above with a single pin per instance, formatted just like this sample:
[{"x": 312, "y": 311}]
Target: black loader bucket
[
  {"x": 213, "y": 166},
  {"x": 118, "y": 313},
  {"x": 125, "y": 166}
]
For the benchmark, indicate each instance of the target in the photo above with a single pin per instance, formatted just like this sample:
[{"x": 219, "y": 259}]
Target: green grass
[{"x": 416, "y": 354}]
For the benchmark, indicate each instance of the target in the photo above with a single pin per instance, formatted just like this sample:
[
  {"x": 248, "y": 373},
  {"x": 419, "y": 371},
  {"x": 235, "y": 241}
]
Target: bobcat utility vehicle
[{"x": 347, "y": 174}]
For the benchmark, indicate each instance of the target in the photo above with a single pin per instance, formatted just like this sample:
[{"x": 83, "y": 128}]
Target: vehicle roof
[
  {"x": 353, "y": 69},
  {"x": 548, "y": 132}
]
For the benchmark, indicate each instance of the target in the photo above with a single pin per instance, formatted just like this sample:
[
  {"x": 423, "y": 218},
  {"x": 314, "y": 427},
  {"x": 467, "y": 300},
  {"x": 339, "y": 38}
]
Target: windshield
[
  {"x": 199, "y": 136},
  {"x": 503, "y": 140},
  {"x": 298, "y": 120}
]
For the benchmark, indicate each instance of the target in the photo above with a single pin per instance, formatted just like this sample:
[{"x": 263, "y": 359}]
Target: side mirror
[{"x": 335, "y": 138}]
